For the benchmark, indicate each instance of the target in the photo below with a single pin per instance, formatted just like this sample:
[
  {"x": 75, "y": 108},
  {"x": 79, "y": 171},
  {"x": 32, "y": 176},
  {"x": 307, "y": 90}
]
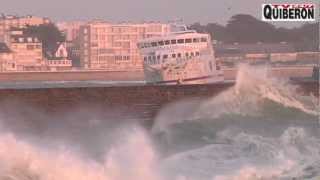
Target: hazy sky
[{"x": 137, "y": 10}]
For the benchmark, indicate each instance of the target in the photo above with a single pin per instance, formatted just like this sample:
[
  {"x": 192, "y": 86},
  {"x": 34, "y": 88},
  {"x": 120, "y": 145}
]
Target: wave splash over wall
[
  {"x": 260, "y": 129},
  {"x": 255, "y": 94}
]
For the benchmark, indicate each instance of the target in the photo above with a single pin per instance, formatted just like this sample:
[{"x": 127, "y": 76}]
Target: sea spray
[
  {"x": 134, "y": 159},
  {"x": 253, "y": 90},
  {"x": 253, "y": 87}
]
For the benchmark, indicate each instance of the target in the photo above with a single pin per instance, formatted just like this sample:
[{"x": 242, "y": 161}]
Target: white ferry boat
[{"x": 180, "y": 57}]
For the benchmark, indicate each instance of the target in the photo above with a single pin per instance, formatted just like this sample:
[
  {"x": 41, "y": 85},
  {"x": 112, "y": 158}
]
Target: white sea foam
[
  {"x": 254, "y": 86},
  {"x": 133, "y": 159},
  {"x": 251, "y": 157}
]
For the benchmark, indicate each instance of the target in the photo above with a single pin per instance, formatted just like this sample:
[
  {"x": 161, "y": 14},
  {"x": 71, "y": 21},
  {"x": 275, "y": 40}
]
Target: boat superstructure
[{"x": 180, "y": 57}]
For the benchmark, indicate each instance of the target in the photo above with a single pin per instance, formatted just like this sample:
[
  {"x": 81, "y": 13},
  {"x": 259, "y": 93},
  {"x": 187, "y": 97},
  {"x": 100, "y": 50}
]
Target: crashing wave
[{"x": 253, "y": 91}]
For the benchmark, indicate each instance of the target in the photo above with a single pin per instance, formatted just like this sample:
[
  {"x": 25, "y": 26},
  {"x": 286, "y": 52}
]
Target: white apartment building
[
  {"x": 8, "y": 21},
  {"x": 7, "y": 62},
  {"x": 114, "y": 46},
  {"x": 27, "y": 51}
]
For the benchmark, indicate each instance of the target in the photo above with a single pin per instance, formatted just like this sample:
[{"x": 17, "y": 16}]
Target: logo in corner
[{"x": 289, "y": 12}]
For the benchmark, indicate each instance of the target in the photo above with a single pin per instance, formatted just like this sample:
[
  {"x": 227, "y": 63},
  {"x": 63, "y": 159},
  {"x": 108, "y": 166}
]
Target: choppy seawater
[{"x": 260, "y": 129}]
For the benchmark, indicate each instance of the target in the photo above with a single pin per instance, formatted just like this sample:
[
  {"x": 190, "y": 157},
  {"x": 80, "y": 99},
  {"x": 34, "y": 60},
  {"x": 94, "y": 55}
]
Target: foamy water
[
  {"x": 259, "y": 129},
  {"x": 133, "y": 159},
  {"x": 252, "y": 89}
]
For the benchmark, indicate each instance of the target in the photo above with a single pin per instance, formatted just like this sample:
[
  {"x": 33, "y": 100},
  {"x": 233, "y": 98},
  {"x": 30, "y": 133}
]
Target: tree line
[{"x": 243, "y": 28}]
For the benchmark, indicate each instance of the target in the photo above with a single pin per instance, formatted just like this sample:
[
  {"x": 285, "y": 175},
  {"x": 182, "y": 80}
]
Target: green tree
[
  {"x": 48, "y": 34},
  {"x": 247, "y": 29}
]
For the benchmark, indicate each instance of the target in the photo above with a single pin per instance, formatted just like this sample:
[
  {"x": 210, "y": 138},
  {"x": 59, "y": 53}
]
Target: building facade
[
  {"x": 114, "y": 46},
  {"x": 7, "y": 22},
  {"x": 27, "y": 51},
  {"x": 7, "y": 62},
  {"x": 71, "y": 30},
  {"x": 58, "y": 59}
]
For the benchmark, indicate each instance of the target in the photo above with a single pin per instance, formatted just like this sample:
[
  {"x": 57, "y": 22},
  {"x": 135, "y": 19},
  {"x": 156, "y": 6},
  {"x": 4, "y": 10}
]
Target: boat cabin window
[
  {"x": 173, "y": 41},
  {"x": 173, "y": 55},
  {"x": 146, "y": 45},
  {"x": 180, "y": 41},
  {"x": 153, "y": 44},
  {"x": 161, "y": 43},
  {"x": 179, "y": 55},
  {"x": 167, "y": 42},
  {"x": 203, "y": 39},
  {"x": 196, "y": 40},
  {"x": 192, "y": 54},
  {"x": 188, "y": 40}
]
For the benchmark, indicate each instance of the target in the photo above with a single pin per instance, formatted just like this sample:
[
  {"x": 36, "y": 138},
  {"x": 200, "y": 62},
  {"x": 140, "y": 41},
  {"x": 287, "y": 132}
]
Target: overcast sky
[{"x": 190, "y": 11}]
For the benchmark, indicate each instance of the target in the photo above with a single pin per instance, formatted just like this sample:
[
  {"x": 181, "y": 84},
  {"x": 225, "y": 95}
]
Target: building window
[
  {"x": 180, "y": 41},
  {"x": 196, "y": 40},
  {"x": 161, "y": 43},
  {"x": 153, "y": 44},
  {"x": 203, "y": 39},
  {"x": 30, "y": 47},
  {"x": 192, "y": 54},
  {"x": 179, "y": 55},
  {"x": 188, "y": 40},
  {"x": 210, "y": 65},
  {"x": 173, "y": 55},
  {"x": 165, "y": 56}
]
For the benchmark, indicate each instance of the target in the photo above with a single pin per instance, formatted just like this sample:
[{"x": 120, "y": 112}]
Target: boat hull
[{"x": 192, "y": 71}]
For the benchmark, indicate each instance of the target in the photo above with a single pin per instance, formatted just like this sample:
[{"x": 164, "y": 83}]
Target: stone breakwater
[
  {"x": 116, "y": 103},
  {"x": 29, "y": 108},
  {"x": 229, "y": 74},
  {"x": 72, "y": 76}
]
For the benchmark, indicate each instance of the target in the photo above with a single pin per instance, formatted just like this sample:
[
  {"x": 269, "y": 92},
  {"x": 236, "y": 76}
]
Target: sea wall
[
  {"x": 35, "y": 110},
  {"x": 280, "y": 72},
  {"x": 72, "y": 76},
  {"x": 229, "y": 73}
]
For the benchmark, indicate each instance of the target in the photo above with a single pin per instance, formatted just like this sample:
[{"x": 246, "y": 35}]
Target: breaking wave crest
[
  {"x": 255, "y": 93},
  {"x": 212, "y": 138},
  {"x": 20, "y": 160}
]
